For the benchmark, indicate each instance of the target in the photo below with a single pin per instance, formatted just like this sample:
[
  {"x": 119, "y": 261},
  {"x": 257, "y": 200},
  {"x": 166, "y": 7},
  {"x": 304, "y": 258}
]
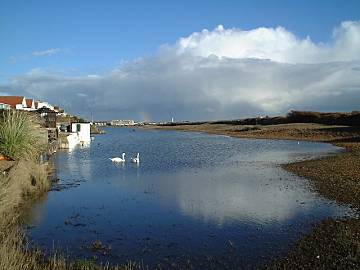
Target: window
[{"x": 78, "y": 127}]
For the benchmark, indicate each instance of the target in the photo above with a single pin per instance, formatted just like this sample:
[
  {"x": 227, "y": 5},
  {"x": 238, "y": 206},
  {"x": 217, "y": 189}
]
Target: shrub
[{"x": 20, "y": 136}]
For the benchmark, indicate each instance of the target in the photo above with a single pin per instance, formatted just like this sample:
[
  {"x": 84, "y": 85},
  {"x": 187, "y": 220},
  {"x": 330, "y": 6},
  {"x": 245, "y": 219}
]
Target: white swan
[
  {"x": 136, "y": 159},
  {"x": 118, "y": 159}
]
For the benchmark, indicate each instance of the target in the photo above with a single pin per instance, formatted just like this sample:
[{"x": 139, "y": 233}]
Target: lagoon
[{"x": 195, "y": 200}]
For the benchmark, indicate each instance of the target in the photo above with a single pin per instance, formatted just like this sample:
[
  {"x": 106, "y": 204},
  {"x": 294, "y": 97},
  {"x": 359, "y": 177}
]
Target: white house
[
  {"x": 41, "y": 104},
  {"x": 82, "y": 130},
  {"x": 15, "y": 102},
  {"x": 77, "y": 133}
]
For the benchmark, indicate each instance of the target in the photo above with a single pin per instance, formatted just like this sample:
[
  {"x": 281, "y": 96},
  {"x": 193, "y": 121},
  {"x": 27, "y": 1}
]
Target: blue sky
[
  {"x": 43, "y": 43},
  {"x": 98, "y": 35}
]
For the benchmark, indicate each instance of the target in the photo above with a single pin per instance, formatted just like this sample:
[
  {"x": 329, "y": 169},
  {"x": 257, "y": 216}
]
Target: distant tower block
[{"x": 172, "y": 119}]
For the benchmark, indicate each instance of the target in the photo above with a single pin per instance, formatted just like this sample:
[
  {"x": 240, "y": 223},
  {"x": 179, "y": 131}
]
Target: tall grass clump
[{"x": 20, "y": 135}]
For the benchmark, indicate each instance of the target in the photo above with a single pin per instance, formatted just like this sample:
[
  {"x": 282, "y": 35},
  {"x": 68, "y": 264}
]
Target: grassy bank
[
  {"x": 25, "y": 181},
  {"x": 333, "y": 244}
]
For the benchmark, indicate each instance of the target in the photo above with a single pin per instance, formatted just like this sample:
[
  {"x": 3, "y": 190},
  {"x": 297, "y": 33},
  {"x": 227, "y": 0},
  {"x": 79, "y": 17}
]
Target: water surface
[{"x": 195, "y": 200}]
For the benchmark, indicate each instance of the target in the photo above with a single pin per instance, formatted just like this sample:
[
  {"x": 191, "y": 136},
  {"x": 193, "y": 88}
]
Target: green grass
[{"x": 20, "y": 135}]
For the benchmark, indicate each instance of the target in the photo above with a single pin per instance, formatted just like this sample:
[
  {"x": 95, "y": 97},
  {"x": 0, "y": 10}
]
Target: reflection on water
[{"x": 194, "y": 199}]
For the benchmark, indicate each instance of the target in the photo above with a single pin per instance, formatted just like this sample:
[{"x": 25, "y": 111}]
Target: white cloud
[
  {"x": 224, "y": 73},
  {"x": 276, "y": 44},
  {"x": 48, "y": 52}
]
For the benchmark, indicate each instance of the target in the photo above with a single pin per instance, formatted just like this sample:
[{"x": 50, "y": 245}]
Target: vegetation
[
  {"x": 20, "y": 135},
  {"x": 20, "y": 138},
  {"x": 347, "y": 119},
  {"x": 336, "y": 118},
  {"x": 69, "y": 119}
]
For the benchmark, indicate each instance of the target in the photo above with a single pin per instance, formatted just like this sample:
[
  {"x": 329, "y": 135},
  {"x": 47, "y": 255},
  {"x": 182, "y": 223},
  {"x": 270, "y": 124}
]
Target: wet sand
[{"x": 333, "y": 244}]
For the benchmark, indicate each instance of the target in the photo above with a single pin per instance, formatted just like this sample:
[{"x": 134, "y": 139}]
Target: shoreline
[
  {"x": 333, "y": 243},
  {"x": 344, "y": 166}
]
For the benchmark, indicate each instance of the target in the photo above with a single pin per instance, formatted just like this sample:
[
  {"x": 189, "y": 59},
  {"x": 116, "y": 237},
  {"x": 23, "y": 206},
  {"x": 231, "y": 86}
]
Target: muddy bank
[
  {"x": 333, "y": 244},
  {"x": 20, "y": 183}
]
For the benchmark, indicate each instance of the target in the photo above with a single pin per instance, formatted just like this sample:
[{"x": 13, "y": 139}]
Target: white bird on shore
[
  {"x": 136, "y": 159},
  {"x": 118, "y": 159}
]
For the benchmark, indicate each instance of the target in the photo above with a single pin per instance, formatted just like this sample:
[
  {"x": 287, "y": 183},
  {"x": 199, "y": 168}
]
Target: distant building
[
  {"x": 42, "y": 104},
  {"x": 122, "y": 122},
  {"x": 101, "y": 123}
]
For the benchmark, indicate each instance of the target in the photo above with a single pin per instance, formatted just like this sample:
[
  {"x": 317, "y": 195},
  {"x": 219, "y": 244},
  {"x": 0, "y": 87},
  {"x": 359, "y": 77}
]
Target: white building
[
  {"x": 82, "y": 130},
  {"x": 122, "y": 122},
  {"x": 41, "y": 104}
]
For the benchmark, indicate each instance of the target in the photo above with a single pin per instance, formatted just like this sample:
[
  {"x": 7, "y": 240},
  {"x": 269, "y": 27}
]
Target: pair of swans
[{"x": 122, "y": 159}]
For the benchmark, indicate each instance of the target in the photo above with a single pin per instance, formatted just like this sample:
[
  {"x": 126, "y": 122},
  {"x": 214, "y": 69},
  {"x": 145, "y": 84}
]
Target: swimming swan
[
  {"x": 118, "y": 159},
  {"x": 136, "y": 159}
]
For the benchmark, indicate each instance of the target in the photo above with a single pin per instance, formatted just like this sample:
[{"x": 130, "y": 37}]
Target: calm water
[{"x": 195, "y": 200}]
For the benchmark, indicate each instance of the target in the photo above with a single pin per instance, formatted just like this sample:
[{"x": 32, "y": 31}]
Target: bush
[
  {"x": 303, "y": 116},
  {"x": 20, "y": 136}
]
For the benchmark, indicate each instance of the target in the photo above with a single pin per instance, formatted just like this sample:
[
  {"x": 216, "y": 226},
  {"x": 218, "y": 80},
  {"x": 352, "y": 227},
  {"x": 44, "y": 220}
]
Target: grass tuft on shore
[{"x": 20, "y": 135}]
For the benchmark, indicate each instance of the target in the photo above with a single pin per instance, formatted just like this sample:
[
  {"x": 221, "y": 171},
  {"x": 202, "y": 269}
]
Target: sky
[{"x": 191, "y": 60}]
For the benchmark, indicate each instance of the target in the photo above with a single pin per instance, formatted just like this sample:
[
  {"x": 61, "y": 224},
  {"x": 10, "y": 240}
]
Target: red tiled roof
[
  {"x": 29, "y": 102},
  {"x": 11, "y": 100}
]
